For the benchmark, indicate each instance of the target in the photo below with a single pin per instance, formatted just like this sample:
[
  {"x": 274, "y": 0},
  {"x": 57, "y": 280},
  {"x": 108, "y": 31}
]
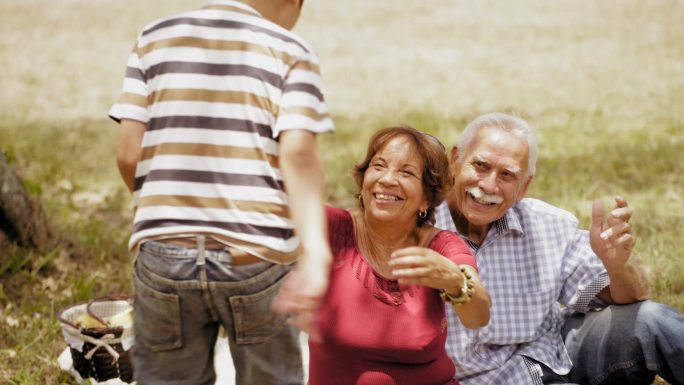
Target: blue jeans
[
  {"x": 182, "y": 296},
  {"x": 626, "y": 344}
]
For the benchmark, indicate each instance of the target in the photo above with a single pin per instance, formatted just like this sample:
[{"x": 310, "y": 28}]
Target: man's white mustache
[{"x": 480, "y": 195}]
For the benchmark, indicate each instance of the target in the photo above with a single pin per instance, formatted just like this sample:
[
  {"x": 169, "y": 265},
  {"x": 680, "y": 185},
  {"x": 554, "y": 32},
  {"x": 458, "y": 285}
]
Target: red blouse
[{"x": 374, "y": 332}]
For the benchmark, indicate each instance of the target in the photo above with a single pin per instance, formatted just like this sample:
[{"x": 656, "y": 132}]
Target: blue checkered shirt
[{"x": 532, "y": 260}]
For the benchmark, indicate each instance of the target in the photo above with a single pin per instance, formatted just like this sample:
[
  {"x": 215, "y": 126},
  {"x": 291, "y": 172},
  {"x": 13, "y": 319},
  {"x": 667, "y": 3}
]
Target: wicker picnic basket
[{"x": 100, "y": 335}]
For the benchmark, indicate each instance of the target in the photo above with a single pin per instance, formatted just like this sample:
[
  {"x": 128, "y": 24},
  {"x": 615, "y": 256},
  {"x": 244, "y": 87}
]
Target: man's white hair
[{"x": 505, "y": 122}]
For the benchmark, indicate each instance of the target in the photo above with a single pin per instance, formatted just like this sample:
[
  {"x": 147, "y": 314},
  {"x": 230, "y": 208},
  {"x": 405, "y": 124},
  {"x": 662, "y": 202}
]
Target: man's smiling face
[{"x": 490, "y": 177}]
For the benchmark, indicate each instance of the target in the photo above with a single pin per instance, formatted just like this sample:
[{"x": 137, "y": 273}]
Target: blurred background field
[{"x": 603, "y": 81}]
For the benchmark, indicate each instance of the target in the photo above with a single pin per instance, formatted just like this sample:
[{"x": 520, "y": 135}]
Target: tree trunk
[{"x": 22, "y": 220}]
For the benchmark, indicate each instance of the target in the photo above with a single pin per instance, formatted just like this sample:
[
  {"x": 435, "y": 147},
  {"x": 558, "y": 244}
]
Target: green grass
[
  {"x": 602, "y": 81},
  {"x": 76, "y": 179}
]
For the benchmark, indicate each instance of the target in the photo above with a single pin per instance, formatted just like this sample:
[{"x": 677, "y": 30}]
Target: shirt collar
[
  {"x": 510, "y": 222},
  {"x": 236, "y": 4}
]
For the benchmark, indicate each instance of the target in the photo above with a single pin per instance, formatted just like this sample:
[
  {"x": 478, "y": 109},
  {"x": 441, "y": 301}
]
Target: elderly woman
[{"x": 383, "y": 318}]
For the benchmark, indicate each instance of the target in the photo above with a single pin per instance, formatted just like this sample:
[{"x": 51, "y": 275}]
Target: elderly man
[{"x": 545, "y": 276}]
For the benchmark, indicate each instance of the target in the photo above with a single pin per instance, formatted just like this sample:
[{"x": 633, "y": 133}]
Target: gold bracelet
[{"x": 467, "y": 290}]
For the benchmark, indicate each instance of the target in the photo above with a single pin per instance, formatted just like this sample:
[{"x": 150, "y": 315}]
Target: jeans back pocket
[
  {"x": 157, "y": 318},
  {"x": 255, "y": 321}
]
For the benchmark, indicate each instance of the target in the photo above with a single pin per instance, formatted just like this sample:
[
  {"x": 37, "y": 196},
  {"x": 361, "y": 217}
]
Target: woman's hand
[{"x": 426, "y": 267}]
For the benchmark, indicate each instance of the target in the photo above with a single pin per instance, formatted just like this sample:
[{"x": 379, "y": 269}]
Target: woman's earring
[{"x": 422, "y": 214}]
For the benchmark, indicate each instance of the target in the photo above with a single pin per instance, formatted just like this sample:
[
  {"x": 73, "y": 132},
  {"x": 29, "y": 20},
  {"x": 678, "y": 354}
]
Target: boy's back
[
  {"x": 219, "y": 112},
  {"x": 216, "y": 87}
]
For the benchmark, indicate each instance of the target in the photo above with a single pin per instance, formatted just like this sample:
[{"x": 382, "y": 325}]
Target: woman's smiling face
[{"x": 392, "y": 188}]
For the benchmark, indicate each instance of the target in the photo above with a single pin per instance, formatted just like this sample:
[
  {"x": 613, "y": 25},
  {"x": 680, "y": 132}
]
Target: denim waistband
[{"x": 175, "y": 251}]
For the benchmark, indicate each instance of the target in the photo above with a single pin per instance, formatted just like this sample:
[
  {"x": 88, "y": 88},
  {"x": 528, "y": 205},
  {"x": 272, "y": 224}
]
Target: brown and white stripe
[{"x": 216, "y": 87}]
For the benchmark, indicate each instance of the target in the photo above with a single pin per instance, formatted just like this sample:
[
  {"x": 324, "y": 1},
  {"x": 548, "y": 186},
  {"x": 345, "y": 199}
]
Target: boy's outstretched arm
[{"x": 304, "y": 181}]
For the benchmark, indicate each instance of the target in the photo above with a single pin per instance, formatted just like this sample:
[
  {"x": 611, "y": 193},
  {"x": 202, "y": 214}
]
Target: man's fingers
[
  {"x": 620, "y": 201},
  {"x": 615, "y": 231},
  {"x": 618, "y": 236},
  {"x": 597, "y": 216},
  {"x": 623, "y": 214},
  {"x": 626, "y": 241}
]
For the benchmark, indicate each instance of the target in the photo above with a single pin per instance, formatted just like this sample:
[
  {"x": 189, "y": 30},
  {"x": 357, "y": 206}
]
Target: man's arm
[
  {"x": 303, "y": 175},
  {"x": 129, "y": 151},
  {"x": 612, "y": 241}
]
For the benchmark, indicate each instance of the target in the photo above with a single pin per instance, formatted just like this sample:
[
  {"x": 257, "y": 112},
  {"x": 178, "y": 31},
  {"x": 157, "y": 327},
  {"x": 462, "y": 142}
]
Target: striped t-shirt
[{"x": 216, "y": 87}]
